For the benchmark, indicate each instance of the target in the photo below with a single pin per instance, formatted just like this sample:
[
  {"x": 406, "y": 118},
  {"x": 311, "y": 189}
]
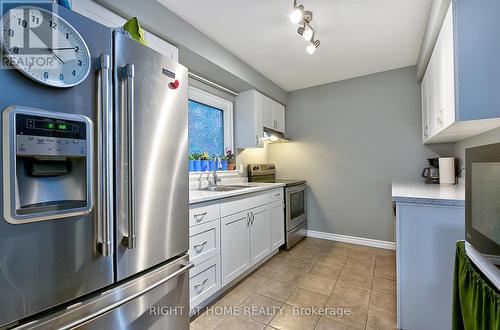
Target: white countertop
[
  {"x": 411, "y": 192},
  {"x": 198, "y": 196}
]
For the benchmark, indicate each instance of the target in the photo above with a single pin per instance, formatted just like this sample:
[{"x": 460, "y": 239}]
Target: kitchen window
[{"x": 210, "y": 123}]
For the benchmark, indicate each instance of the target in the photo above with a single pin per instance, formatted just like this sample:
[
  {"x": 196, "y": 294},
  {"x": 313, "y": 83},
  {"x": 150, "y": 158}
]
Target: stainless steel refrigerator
[{"x": 94, "y": 231}]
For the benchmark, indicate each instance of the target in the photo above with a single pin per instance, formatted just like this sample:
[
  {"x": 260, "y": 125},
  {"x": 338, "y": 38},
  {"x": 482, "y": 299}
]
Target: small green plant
[
  {"x": 204, "y": 156},
  {"x": 194, "y": 156}
]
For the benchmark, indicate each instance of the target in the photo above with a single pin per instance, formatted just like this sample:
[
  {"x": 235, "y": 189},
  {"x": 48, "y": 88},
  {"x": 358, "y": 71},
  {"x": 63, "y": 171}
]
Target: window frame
[{"x": 198, "y": 95}]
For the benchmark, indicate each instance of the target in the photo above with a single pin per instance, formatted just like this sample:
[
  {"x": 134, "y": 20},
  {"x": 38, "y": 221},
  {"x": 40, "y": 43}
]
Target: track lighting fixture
[
  {"x": 312, "y": 47},
  {"x": 304, "y": 18}
]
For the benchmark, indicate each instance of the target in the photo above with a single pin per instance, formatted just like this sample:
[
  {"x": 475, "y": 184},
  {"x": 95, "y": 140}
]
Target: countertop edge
[
  {"x": 229, "y": 194},
  {"x": 428, "y": 201}
]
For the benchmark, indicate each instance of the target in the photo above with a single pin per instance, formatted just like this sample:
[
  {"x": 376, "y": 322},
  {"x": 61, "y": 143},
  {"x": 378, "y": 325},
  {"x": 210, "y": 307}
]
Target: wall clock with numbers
[{"x": 45, "y": 47}]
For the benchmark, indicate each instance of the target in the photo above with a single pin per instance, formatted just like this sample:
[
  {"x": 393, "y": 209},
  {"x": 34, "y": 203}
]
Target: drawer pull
[
  {"x": 202, "y": 284},
  {"x": 277, "y": 195},
  {"x": 200, "y": 216},
  {"x": 202, "y": 245}
]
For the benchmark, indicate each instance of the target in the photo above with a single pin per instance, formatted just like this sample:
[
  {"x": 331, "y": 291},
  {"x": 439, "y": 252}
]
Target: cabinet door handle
[
  {"x": 198, "y": 245},
  {"x": 248, "y": 219},
  {"x": 252, "y": 217},
  {"x": 277, "y": 195},
  {"x": 200, "y": 216},
  {"x": 256, "y": 140},
  {"x": 202, "y": 283}
]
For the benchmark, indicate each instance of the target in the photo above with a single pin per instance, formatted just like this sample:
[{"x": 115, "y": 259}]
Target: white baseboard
[{"x": 352, "y": 239}]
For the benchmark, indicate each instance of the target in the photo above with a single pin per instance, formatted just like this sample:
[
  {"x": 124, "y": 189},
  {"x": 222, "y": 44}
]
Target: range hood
[{"x": 272, "y": 136}]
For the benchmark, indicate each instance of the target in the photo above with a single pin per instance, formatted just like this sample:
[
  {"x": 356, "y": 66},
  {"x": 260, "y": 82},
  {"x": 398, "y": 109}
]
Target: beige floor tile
[
  {"x": 260, "y": 308},
  {"x": 306, "y": 298},
  {"x": 385, "y": 302},
  {"x": 386, "y": 252},
  {"x": 329, "y": 258},
  {"x": 327, "y": 271},
  {"x": 354, "y": 313},
  {"x": 276, "y": 290},
  {"x": 207, "y": 321},
  {"x": 362, "y": 257},
  {"x": 385, "y": 272},
  {"x": 312, "y": 253},
  {"x": 378, "y": 320},
  {"x": 240, "y": 322},
  {"x": 233, "y": 298},
  {"x": 362, "y": 249},
  {"x": 293, "y": 318},
  {"x": 386, "y": 261},
  {"x": 355, "y": 278},
  {"x": 290, "y": 277},
  {"x": 351, "y": 294},
  {"x": 360, "y": 267},
  {"x": 251, "y": 284},
  {"x": 326, "y": 323},
  {"x": 316, "y": 284},
  {"x": 297, "y": 264},
  {"x": 384, "y": 285}
]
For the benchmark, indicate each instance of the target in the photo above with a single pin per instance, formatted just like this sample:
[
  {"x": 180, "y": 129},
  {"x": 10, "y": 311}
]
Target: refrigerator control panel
[{"x": 50, "y": 136}]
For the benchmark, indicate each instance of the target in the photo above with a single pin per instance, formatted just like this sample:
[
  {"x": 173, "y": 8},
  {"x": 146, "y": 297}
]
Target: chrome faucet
[{"x": 215, "y": 178}]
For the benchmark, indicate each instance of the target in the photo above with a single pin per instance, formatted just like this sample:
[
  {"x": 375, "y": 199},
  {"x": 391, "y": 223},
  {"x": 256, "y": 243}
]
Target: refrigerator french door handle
[
  {"x": 105, "y": 160},
  {"x": 130, "y": 240},
  {"x": 93, "y": 315}
]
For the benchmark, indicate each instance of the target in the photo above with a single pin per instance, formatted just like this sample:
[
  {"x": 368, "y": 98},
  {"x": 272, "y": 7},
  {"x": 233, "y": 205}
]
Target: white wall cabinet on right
[
  {"x": 253, "y": 112},
  {"x": 460, "y": 86}
]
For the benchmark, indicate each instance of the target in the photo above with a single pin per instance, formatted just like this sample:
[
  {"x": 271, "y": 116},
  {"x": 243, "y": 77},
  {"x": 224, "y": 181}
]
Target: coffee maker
[{"x": 431, "y": 173}]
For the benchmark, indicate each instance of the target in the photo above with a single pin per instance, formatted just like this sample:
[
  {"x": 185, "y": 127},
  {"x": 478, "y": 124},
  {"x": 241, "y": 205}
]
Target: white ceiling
[{"x": 358, "y": 37}]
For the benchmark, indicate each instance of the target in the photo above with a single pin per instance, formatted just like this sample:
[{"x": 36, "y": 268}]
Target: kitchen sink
[{"x": 228, "y": 187}]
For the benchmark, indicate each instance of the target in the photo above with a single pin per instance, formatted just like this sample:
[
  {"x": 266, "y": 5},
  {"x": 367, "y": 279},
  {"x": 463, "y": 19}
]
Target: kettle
[{"x": 431, "y": 173}]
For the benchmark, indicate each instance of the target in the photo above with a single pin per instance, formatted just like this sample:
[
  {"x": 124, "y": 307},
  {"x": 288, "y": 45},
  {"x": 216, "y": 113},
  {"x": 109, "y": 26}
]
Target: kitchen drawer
[
  {"x": 202, "y": 213},
  {"x": 245, "y": 202},
  {"x": 204, "y": 241},
  {"x": 204, "y": 281},
  {"x": 277, "y": 195}
]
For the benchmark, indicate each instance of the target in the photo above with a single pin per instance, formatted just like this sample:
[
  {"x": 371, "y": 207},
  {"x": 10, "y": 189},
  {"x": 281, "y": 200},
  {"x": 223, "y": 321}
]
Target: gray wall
[
  {"x": 354, "y": 138},
  {"x": 196, "y": 51}
]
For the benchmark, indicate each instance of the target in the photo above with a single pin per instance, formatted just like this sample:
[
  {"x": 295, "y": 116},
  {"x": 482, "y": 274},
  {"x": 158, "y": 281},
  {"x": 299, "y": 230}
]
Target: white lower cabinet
[
  {"x": 235, "y": 246},
  {"x": 277, "y": 225},
  {"x": 260, "y": 238},
  {"x": 229, "y": 236}
]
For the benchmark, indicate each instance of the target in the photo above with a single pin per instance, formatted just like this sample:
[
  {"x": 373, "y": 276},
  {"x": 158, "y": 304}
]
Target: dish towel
[
  {"x": 476, "y": 304},
  {"x": 135, "y": 30}
]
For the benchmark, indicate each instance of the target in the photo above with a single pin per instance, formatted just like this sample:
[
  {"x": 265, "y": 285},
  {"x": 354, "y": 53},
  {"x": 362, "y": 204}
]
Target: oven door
[{"x": 296, "y": 210}]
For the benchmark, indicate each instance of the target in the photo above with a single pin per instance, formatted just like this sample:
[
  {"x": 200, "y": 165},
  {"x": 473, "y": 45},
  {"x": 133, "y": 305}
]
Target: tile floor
[{"x": 318, "y": 284}]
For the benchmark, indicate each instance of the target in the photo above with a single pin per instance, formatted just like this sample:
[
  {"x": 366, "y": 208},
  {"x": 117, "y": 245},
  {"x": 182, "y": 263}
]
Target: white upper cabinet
[
  {"x": 253, "y": 112},
  {"x": 279, "y": 117},
  {"x": 108, "y": 18},
  {"x": 458, "y": 97}
]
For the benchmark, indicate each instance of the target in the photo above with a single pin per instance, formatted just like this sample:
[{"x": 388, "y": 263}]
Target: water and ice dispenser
[{"x": 47, "y": 164}]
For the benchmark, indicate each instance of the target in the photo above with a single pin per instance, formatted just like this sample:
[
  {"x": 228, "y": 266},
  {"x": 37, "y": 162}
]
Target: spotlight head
[{"x": 296, "y": 14}]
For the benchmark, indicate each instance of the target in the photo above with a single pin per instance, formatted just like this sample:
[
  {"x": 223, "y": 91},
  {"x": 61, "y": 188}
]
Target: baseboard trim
[{"x": 352, "y": 239}]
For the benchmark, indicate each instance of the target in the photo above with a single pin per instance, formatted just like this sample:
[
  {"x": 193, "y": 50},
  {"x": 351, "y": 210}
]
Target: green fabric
[
  {"x": 476, "y": 304},
  {"x": 135, "y": 30}
]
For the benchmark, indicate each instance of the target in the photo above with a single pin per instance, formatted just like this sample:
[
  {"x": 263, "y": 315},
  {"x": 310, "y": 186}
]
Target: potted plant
[
  {"x": 211, "y": 161},
  {"x": 191, "y": 162},
  {"x": 204, "y": 159},
  {"x": 223, "y": 161},
  {"x": 196, "y": 162},
  {"x": 231, "y": 160}
]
